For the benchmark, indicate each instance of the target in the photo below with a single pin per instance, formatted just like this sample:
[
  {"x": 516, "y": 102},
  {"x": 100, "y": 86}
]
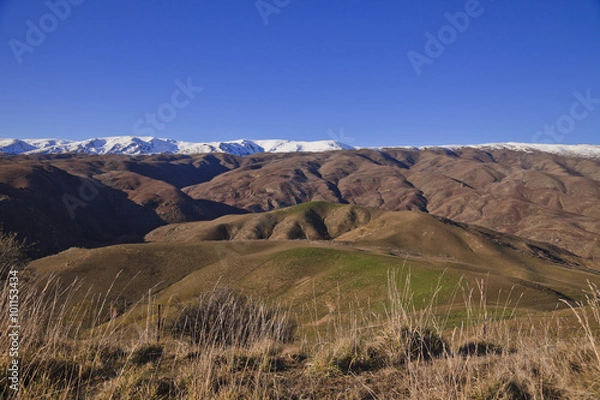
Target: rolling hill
[
  {"x": 64, "y": 200},
  {"x": 326, "y": 256}
]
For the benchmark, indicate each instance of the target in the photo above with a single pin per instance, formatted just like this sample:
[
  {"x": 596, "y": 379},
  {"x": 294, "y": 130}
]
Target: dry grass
[
  {"x": 240, "y": 348},
  {"x": 224, "y": 316},
  {"x": 12, "y": 252}
]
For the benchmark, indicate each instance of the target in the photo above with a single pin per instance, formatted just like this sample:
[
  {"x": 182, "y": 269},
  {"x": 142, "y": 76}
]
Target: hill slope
[
  {"x": 299, "y": 274},
  {"x": 353, "y": 265},
  {"x": 404, "y": 233},
  {"x": 537, "y": 195}
]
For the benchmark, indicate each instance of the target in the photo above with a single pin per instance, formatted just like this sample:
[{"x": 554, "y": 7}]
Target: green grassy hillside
[
  {"x": 383, "y": 303},
  {"x": 313, "y": 279}
]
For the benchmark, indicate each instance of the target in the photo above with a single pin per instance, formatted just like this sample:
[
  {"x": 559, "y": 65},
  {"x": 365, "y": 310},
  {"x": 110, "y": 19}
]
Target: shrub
[
  {"x": 346, "y": 355},
  {"x": 226, "y": 317},
  {"x": 146, "y": 354},
  {"x": 167, "y": 389},
  {"x": 12, "y": 252},
  {"x": 398, "y": 346},
  {"x": 54, "y": 371},
  {"x": 479, "y": 349},
  {"x": 422, "y": 344}
]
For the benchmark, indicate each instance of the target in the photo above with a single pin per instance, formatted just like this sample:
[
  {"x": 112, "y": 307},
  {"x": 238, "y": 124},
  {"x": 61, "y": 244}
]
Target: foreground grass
[{"x": 228, "y": 346}]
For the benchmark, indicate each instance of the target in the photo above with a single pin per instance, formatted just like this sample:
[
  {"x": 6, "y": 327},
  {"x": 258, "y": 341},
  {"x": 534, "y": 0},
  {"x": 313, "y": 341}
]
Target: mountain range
[
  {"x": 133, "y": 145},
  {"x": 62, "y": 200}
]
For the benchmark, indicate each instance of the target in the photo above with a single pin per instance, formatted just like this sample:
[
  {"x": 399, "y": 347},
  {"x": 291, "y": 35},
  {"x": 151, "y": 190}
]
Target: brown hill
[
  {"x": 312, "y": 221},
  {"x": 540, "y": 196},
  {"x": 400, "y": 233},
  {"x": 61, "y": 201},
  {"x": 186, "y": 259}
]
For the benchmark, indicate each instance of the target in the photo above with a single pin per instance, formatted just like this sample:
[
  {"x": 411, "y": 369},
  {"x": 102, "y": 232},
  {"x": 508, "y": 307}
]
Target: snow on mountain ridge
[
  {"x": 15, "y": 146},
  {"x": 290, "y": 146},
  {"x": 138, "y": 145},
  {"x": 577, "y": 150},
  {"x": 142, "y": 145},
  {"x": 581, "y": 150}
]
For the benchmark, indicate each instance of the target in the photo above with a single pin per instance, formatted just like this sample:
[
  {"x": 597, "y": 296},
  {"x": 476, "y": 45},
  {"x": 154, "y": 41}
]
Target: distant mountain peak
[
  {"x": 141, "y": 145},
  {"x": 146, "y": 145}
]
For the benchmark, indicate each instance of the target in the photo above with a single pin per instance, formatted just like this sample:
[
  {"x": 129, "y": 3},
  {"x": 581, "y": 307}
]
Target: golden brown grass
[{"x": 408, "y": 352}]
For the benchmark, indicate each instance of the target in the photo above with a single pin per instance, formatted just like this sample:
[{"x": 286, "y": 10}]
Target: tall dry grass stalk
[
  {"x": 588, "y": 317},
  {"x": 229, "y": 346}
]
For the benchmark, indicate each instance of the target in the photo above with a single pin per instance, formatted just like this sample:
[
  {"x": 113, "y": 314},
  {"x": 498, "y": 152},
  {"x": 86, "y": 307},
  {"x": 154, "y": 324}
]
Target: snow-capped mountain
[
  {"x": 580, "y": 150},
  {"x": 577, "y": 150},
  {"x": 133, "y": 145},
  {"x": 141, "y": 145},
  {"x": 15, "y": 146}
]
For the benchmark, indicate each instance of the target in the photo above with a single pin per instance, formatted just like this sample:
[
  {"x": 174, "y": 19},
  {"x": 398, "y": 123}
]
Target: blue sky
[{"x": 366, "y": 72}]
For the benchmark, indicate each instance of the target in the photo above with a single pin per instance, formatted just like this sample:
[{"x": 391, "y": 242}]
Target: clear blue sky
[{"x": 319, "y": 69}]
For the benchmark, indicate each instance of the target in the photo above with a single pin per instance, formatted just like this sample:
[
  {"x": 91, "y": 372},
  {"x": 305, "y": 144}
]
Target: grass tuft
[{"x": 230, "y": 346}]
